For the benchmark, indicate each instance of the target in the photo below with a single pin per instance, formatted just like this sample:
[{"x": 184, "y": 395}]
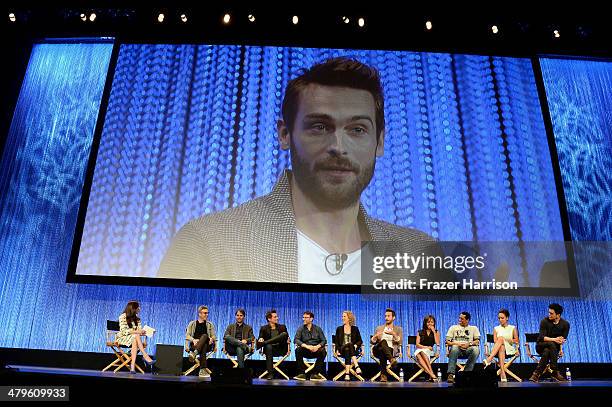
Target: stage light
[
  {"x": 556, "y": 34},
  {"x": 428, "y": 25},
  {"x": 92, "y": 17},
  {"x": 494, "y": 29},
  {"x": 361, "y": 22},
  {"x": 227, "y": 18},
  {"x": 161, "y": 17},
  {"x": 251, "y": 18},
  {"x": 346, "y": 20},
  {"x": 295, "y": 20},
  {"x": 184, "y": 18},
  {"x": 12, "y": 17}
]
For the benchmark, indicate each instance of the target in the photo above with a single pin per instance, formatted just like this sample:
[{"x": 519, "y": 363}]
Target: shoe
[
  {"x": 383, "y": 378},
  {"x": 451, "y": 378},
  {"x": 504, "y": 380},
  {"x": 269, "y": 376},
  {"x": 535, "y": 377},
  {"x": 151, "y": 363},
  {"x": 192, "y": 357},
  {"x": 301, "y": 376},
  {"x": 486, "y": 363},
  {"x": 203, "y": 373},
  {"x": 557, "y": 376},
  {"x": 347, "y": 378},
  {"x": 393, "y": 363},
  {"x": 317, "y": 377},
  {"x": 132, "y": 371},
  {"x": 358, "y": 370}
]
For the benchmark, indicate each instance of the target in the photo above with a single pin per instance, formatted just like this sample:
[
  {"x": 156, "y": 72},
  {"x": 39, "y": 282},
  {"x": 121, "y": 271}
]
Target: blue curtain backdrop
[{"x": 41, "y": 181}]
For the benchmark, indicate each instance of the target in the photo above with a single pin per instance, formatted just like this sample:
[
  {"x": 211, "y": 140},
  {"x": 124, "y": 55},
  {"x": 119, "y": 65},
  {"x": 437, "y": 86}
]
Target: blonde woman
[{"x": 348, "y": 342}]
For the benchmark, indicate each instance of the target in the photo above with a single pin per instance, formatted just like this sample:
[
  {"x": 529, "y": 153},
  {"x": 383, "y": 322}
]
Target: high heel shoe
[
  {"x": 132, "y": 371},
  {"x": 150, "y": 365}
]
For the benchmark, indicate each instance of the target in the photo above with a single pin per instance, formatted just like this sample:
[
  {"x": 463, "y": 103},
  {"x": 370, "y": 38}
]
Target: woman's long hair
[
  {"x": 427, "y": 318},
  {"x": 130, "y": 313}
]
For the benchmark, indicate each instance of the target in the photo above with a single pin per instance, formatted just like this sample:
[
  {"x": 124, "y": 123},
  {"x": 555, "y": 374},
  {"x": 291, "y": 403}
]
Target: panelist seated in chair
[
  {"x": 130, "y": 331},
  {"x": 505, "y": 338},
  {"x": 387, "y": 341},
  {"x": 464, "y": 342},
  {"x": 553, "y": 334},
  {"x": 201, "y": 336},
  {"x": 426, "y": 339},
  {"x": 348, "y": 343},
  {"x": 310, "y": 343},
  {"x": 238, "y": 338},
  {"x": 274, "y": 339}
]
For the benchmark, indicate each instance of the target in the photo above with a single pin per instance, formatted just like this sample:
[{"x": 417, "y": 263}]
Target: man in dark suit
[
  {"x": 333, "y": 125},
  {"x": 274, "y": 339}
]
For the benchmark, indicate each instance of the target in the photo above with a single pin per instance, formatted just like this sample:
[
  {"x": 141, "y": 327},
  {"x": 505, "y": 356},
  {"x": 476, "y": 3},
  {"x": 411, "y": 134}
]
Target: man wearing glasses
[
  {"x": 201, "y": 336},
  {"x": 464, "y": 340}
]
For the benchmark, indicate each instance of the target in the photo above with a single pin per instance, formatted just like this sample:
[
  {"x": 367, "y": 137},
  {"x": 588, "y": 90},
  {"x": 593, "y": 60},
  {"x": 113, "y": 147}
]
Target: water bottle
[
  {"x": 401, "y": 375},
  {"x": 568, "y": 374},
  {"x": 439, "y": 375}
]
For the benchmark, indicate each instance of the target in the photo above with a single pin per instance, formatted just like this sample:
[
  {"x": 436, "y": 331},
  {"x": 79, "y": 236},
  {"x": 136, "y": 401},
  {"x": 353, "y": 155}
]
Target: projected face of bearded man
[{"x": 334, "y": 144}]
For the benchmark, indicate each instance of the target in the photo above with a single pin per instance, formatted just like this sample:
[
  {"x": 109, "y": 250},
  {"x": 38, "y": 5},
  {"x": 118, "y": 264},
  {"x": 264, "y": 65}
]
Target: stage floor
[
  {"x": 295, "y": 383},
  {"x": 85, "y": 385}
]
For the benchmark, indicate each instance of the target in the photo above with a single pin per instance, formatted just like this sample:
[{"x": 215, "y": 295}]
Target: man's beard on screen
[{"x": 326, "y": 194}]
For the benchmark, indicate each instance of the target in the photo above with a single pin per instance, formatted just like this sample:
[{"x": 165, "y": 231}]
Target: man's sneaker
[
  {"x": 383, "y": 378},
  {"x": 269, "y": 376},
  {"x": 192, "y": 357},
  {"x": 557, "y": 376},
  {"x": 301, "y": 376},
  {"x": 393, "y": 363},
  {"x": 317, "y": 377},
  {"x": 204, "y": 373},
  {"x": 451, "y": 378}
]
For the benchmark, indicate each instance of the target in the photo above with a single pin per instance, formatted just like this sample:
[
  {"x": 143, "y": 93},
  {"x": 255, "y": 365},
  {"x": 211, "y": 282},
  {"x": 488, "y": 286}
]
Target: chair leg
[
  {"x": 392, "y": 373},
  {"x": 281, "y": 372},
  {"x": 518, "y": 379},
  {"x": 192, "y": 368},
  {"x": 417, "y": 374},
  {"x": 376, "y": 376},
  {"x": 125, "y": 362},
  {"x": 354, "y": 373},
  {"x": 336, "y": 377}
]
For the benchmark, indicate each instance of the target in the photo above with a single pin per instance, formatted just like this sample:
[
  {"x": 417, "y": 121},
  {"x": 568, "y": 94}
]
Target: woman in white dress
[
  {"x": 506, "y": 341},
  {"x": 129, "y": 333}
]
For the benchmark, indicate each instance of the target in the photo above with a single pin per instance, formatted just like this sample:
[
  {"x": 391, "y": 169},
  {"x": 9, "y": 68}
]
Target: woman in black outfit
[
  {"x": 427, "y": 338},
  {"x": 348, "y": 342}
]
